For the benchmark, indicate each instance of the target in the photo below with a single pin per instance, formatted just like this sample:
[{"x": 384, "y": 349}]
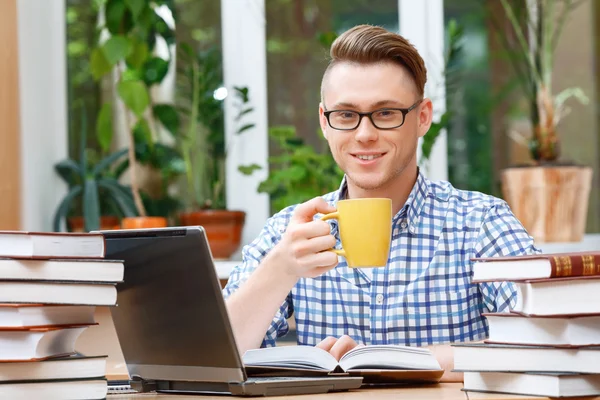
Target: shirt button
[
  {"x": 379, "y": 299},
  {"x": 403, "y": 224}
]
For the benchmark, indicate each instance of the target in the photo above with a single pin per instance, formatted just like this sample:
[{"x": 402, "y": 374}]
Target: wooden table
[{"x": 443, "y": 391}]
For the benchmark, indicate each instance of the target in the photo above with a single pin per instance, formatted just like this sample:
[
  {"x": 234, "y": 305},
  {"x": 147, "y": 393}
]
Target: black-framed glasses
[{"x": 384, "y": 118}]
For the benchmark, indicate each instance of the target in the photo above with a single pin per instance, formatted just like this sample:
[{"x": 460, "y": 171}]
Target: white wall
[
  {"x": 43, "y": 105},
  {"x": 245, "y": 64},
  {"x": 422, "y": 23}
]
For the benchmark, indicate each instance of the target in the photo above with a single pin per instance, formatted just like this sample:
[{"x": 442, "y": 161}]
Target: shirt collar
[{"x": 413, "y": 206}]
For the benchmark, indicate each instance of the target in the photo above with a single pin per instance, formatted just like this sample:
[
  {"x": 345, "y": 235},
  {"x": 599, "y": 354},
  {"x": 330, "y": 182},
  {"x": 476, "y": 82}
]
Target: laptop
[{"x": 172, "y": 323}]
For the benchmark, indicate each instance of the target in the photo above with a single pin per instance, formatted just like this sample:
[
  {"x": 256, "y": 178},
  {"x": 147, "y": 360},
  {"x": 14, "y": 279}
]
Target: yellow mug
[{"x": 365, "y": 227}]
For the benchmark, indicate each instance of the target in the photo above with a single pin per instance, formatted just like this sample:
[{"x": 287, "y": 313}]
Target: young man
[{"x": 372, "y": 114}]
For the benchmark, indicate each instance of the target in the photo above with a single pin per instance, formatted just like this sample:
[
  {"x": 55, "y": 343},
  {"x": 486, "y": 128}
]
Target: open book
[{"x": 383, "y": 363}]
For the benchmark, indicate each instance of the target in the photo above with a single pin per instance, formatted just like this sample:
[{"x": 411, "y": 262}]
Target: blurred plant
[
  {"x": 203, "y": 144},
  {"x": 298, "y": 173},
  {"x": 536, "y": 27},
  {"x": 94, "y": 186},
  {"x": 134, "y": 27}
]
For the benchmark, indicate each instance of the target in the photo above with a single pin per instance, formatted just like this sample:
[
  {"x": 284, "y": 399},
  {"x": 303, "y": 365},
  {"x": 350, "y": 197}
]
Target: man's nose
[{"x": 366, "y": 131}]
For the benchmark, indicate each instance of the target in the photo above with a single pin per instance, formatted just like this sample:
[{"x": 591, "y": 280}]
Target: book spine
[{"x": 575, "y": 265}]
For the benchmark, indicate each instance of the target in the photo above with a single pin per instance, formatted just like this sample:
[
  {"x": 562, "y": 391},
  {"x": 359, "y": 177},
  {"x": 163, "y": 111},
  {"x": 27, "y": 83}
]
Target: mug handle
[{"x": 334, "y": 215}]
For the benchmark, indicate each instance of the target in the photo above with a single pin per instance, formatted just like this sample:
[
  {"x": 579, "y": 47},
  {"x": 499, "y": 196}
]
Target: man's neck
[{"x": 398, "y": 189}]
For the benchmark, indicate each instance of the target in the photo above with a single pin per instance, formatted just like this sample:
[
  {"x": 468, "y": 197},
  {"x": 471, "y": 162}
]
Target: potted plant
[
  {"x": 549, "y": 196},
  {"x": 204, "y": 149},
  {"x": 133, "y": 29},
  {"x": 95, "y": 194}
]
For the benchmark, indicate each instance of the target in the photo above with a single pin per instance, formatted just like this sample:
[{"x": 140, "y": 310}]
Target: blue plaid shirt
[{"x": 424, "y": 295}]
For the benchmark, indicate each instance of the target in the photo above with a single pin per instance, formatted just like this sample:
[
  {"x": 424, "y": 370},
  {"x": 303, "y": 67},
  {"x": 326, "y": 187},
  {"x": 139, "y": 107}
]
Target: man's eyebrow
[{"x": 380, "y": 103}]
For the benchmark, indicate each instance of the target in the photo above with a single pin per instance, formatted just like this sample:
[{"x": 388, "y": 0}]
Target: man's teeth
[{"x": 371, "y": 157}]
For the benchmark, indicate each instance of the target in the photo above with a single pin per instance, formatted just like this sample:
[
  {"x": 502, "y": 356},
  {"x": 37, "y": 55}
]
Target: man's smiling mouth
[{"x": 368, "y": 157}]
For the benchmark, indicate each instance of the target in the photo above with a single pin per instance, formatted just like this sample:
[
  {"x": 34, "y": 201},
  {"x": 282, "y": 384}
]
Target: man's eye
[
  {"x": 347, "y": 115},
  {"x": 385, "y": 113}
]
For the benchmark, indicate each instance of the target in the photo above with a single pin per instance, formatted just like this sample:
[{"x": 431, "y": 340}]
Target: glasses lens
[
  {"x": 343, "y": 119},
  {"x": 385, "y": 119}
]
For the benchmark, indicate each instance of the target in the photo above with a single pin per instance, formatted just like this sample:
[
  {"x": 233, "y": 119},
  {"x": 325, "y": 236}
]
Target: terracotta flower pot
[
  {"x": 76, "y": 224},
  {"x": 143, "y": 222},
  {"x": 223, "y": 229}
]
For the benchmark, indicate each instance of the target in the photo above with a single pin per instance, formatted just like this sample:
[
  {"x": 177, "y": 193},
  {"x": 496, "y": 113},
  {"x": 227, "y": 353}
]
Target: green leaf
[
  {"x": 162, "y": 28},
  {"x": 293, "y": 173},
  {"x": 70, "y": 171},
  {"x": 116, "y": 49},
  {"x": 91, "y": 205},
  {"x": 120, "y": 195},
  {"x": 168, "y": 117},
  {"x": 108, "y": 161},
  {"x": 282, "y": 132},
  {"x": 99, "y": 65},
  {"x": 249, "y": 169},
  {"x": 138, "y": 55},
  {"x": 566, "y": 94},
  {"x": 244, "y": 112},
  {"x": 65, "y": 206},
  {"x": 155, "y": 70},
  {"x": 134, "y": 95},
  {"x": 104, "y": 131},
  {"x": 142, "y": 132},
  {"x": 326, "y": 38},
  {"x": 131, "y": 74},
  {"x": 245, "y": 128},
  {"x": 242, "y": 93},
  {"x": 432, "y": 135},
  {"x": 136, "y": 7},
  {"x": 119, "y": 19}
]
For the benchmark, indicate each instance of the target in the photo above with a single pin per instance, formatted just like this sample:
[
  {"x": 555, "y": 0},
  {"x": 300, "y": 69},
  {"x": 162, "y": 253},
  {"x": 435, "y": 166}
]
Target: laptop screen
[{"x": 170, "y": 311}]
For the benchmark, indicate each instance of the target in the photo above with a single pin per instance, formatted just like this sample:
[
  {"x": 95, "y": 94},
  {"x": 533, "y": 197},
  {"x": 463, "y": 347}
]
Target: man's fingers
[
  {"x": 322, "y": 261},
  {"x": 305, "y": 212},
  {"x": 342, "y": 346},
  {"x": 316, "y": 228},
  {"x": 320, "y": 243},
  {"x": 327, "y": 343}
]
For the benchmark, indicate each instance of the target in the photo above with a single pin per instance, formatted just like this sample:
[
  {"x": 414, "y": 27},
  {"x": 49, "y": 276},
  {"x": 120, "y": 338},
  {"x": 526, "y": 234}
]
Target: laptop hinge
[{"x": 142, "y": 385}]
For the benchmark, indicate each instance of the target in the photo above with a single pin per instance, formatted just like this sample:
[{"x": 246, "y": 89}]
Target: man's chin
[{"x": 366, "y": 182}]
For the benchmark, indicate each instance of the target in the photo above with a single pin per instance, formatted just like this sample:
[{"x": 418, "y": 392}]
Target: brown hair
[{"x": 367, "y": 44}]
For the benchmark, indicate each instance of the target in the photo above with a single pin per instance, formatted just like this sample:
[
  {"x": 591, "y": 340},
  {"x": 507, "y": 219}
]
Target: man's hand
[
  {"x": 302, "y": 249},
  {"x": 444, "y": 353},
  {"x": 337, "y": 347}
]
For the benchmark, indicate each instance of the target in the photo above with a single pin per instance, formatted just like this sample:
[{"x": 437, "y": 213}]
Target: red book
[{"x": 538, "y": 266}]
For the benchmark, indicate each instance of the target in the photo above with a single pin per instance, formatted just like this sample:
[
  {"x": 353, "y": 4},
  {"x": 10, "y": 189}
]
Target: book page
[
  {"x": 389, "y": 357},
  {"x": 297, "y": 357}
]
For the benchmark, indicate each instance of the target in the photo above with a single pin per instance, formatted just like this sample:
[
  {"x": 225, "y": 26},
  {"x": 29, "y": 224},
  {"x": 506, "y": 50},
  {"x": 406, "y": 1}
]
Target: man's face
[{"x": 373, "y": 158}]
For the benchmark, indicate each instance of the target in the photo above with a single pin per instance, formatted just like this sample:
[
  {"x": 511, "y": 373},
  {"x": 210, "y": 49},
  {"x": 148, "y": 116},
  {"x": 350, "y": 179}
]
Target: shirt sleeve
[
  {"x": 252, "y": 255},
  {"x": 501, "y": 234}
]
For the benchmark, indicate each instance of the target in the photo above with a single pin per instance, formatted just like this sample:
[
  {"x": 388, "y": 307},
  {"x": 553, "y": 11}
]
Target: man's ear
[
  {"x": 323, "y": 120},
  {"x": 425, "y": 116}
]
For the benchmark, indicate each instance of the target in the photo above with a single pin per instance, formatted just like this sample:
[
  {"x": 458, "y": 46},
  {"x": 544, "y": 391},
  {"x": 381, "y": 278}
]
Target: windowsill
[
  {"x": 590, "y": 242},
  {"x": 224, "y": 267}
]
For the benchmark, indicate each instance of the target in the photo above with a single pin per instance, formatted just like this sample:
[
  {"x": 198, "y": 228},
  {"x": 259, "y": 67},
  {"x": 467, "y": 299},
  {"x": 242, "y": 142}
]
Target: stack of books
[
  {"x": 50, "y": 284},
  {"x": 549, "y": 344}
]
